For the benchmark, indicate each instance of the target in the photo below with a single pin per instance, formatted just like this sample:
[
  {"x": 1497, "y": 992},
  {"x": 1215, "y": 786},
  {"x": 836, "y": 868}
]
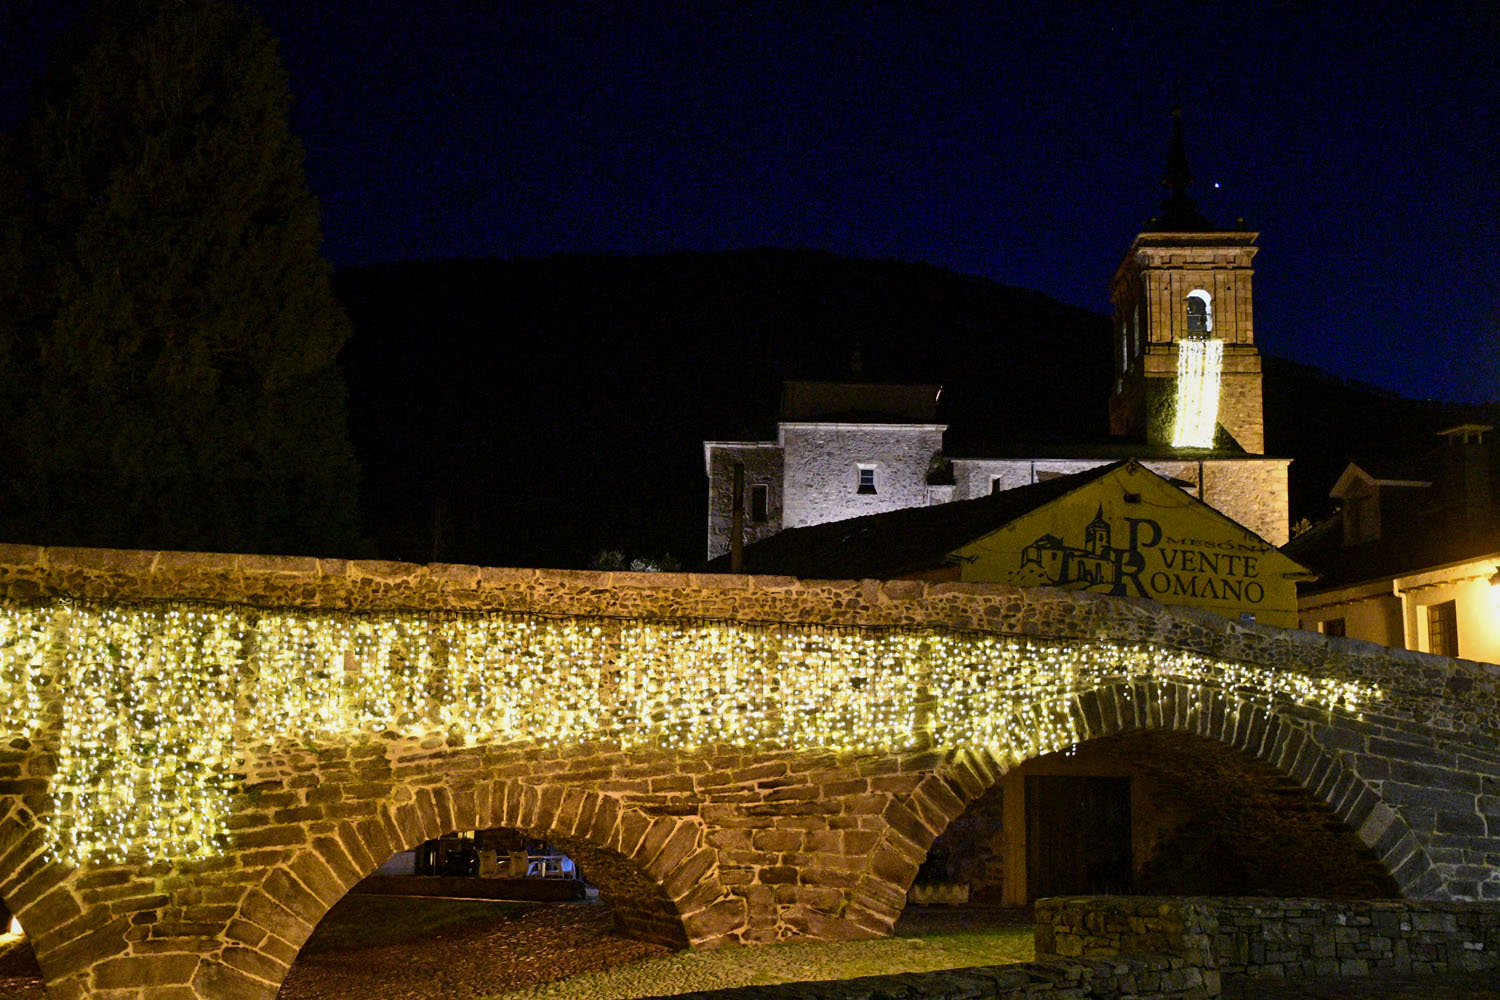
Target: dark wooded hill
[{"x": 535, "y": 412}]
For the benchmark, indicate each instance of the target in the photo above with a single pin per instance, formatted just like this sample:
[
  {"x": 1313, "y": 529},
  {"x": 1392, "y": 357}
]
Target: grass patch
[
  {"x": 794, "y": 962},
  {"x": 359, "y": 921}
]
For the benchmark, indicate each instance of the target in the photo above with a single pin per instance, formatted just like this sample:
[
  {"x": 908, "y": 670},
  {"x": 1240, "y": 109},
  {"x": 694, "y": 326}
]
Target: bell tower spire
[
  {"x": 1182, "y": 300},
  {"x": 1179, "y": 211}
]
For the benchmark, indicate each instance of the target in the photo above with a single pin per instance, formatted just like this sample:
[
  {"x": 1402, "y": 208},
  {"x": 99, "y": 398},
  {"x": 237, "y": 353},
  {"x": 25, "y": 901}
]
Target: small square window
[
  {"x": 1331, "y": 626},
  {"x": 866, "y": 479}
]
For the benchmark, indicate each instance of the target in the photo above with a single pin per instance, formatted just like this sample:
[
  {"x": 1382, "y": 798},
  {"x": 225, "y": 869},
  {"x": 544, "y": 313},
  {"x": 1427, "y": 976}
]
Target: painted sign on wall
[{"x": 1131, "y": 533}]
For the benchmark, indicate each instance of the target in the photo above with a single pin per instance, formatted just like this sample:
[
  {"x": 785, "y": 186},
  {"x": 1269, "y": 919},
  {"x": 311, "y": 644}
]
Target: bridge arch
[
  {"x": 655, "y": 871},
  {"x": 1291, "y": 740},
  {"x": 821, "y": 846},
  {"x": 53, "y": 907}
]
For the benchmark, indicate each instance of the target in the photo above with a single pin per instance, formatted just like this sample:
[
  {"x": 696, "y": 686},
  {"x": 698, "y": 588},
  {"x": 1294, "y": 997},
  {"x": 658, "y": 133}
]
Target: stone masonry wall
[
  {"x": 821, "y": 463},
  {"x": 1300, "y": 938},
  {"x": 712, "y": 846},
  {"x": 762, "y": 462},
  {"x": 1277, "y": 938},
  {"x": 1110, "y": 926}
]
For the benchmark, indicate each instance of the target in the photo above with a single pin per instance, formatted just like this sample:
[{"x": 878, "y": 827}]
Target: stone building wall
[
  {"x": 1252, "y": 492},
  {"x": 714, "y": 845},
  {"x": 1241, "y": 399},
  {"x": 762, "y": 462},
  {"x": 822, "y": 464}
]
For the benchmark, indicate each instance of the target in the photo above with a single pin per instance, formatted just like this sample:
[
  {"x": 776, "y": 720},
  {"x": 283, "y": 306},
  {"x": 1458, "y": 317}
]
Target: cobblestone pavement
[
  {"x": 516, "y": 949},
  {"x": 1470, "y": 986}
]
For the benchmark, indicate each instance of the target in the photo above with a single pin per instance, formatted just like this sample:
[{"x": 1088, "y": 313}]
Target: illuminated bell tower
[{"x": 1184, "y": 344}]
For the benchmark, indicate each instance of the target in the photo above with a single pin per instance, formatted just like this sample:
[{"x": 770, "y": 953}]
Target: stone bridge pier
[{"x": 712, "y": 804}]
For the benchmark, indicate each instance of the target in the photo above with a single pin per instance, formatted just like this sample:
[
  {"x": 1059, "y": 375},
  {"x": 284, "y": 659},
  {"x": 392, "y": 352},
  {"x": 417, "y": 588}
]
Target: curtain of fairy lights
[
  {"x": 158, "y": 702},
  {"x": 1200, "y": 366}
]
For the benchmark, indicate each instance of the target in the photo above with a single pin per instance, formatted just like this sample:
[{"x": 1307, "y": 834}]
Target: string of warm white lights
[
  {"x": 159, "y": 701},
  {"x": 1200, "y": 364}
]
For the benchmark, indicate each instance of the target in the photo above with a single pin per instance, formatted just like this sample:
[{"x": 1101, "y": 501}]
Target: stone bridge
[{"x": 205, "y": 752}]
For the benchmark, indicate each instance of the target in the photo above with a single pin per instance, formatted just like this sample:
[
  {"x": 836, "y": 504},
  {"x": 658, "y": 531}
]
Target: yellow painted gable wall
[{"x": 1133, "y": 534}]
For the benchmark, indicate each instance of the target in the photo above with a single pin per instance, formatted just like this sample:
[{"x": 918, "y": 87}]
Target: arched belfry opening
[
  {"x": 1200, "y": 313},
  {"x": 1151, "y": 812}
]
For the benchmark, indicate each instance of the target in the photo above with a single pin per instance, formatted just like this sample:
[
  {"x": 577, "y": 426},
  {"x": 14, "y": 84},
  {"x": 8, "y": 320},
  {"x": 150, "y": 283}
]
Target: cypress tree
[{"x": 169, "y": 372}]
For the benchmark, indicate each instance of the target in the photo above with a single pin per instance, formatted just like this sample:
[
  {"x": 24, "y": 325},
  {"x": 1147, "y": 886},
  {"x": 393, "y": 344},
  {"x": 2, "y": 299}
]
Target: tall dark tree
[{"x": 170, "y": 368}]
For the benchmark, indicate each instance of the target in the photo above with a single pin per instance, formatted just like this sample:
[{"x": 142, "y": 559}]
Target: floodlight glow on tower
[{"x": 1200, "y": 362}]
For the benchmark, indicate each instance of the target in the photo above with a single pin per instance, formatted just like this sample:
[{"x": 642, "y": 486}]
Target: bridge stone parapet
[{"x": 695, "y": 842}]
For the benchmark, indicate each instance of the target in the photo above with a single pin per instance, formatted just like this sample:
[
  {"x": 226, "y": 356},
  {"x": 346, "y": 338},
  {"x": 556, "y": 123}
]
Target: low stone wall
[
  {"x": 1298, "y": 938},
  {"x": 1110, "y": 926},
  {"x": 1139, "y": 977},
  {"x": 1155, "y": 948}
]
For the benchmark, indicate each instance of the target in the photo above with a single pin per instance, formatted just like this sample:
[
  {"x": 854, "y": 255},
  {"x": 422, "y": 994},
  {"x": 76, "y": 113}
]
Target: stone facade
[
  {"x": 823, "y": 462},
  {"x": 812, "y": 475},
  {"x": 719, "y": 844},
  {"x": 762, "y": 462}
]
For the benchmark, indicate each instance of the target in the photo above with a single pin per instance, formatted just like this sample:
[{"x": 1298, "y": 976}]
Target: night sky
[{"x": 1023, "y": 143}]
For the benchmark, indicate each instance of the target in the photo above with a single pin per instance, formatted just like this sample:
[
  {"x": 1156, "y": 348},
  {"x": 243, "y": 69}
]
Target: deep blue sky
[{"x": 1024, "y": 143}]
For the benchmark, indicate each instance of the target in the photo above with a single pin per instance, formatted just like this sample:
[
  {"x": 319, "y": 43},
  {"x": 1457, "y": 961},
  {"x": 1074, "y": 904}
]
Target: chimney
[{"x": 1468, "y": 474}]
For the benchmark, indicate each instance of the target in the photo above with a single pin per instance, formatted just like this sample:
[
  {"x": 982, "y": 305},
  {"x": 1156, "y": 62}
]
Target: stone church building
[{"x": 1185, "y": 403}]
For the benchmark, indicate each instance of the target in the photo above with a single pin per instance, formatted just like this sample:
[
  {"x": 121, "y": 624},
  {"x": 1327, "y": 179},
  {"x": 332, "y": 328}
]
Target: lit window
[
  {"x": 1442, "y": 629},
  {"x": 760, "y": 502},
  {"x": 866, "y": 479}
]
